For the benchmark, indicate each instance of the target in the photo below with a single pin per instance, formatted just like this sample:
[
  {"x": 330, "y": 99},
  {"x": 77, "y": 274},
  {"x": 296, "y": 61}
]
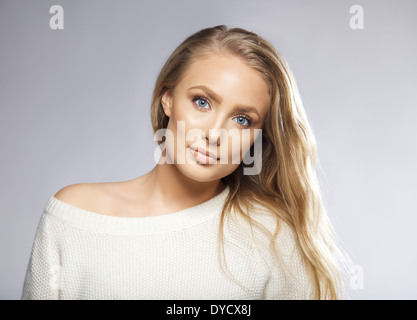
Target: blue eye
[
  {"x": 241, "y": 121},
  {"x": 202, "y": 103}
]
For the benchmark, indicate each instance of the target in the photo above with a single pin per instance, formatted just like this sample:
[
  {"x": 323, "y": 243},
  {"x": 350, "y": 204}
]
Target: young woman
[{"x": 200, "y": 224}]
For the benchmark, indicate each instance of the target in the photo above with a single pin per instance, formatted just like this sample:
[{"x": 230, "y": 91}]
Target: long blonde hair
[{"x": 287, "y": 184}]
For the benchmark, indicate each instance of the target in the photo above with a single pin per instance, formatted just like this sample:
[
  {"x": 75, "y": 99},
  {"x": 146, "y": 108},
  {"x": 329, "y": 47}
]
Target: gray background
[{"x": 74, "y": 107}]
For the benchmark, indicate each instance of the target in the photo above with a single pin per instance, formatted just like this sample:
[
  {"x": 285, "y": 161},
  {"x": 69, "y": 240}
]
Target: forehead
[{"x": 230, "y": 77}]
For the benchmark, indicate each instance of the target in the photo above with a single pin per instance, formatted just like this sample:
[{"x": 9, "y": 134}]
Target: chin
[{"x": 201, "y": 172}]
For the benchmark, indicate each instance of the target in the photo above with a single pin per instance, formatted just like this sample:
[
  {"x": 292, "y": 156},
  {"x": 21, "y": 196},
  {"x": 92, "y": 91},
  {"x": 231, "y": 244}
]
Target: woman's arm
[
  {"x": 43, "y": 272},
  {"x": 289, "y": 277}
]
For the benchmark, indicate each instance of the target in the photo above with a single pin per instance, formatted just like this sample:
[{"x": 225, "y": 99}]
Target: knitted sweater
[{"x": 80, "y": 254}]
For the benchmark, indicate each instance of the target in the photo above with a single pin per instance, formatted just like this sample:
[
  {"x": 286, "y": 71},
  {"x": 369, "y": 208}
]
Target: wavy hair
[{"x": 287, "y": 184}]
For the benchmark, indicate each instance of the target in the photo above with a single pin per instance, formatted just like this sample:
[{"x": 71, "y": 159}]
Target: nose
[
  {"x": 213, "y": 137},
  {"x": 213, "y": 133}
]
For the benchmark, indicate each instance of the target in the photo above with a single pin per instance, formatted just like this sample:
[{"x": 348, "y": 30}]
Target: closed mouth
[{"x": 204, "y": 152}]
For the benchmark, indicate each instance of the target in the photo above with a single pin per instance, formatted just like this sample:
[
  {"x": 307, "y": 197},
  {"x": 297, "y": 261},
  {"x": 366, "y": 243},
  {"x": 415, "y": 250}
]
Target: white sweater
[{"x": 79, "y": 254}]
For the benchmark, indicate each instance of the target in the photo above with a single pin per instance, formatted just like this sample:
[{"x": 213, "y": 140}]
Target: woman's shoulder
[
  {"x": 104, "y": 198},
  {"x": 81, "y": 195}
]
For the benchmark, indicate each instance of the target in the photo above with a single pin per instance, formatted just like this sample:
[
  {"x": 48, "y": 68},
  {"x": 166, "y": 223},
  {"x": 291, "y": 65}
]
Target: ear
[{"x": 166, "y": 102}]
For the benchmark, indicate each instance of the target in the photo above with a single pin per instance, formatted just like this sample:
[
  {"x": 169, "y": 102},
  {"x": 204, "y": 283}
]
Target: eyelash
[{"x": 197, "y": 97}]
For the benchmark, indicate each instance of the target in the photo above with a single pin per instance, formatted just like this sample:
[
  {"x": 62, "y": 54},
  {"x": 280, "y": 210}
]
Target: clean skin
[{"x": 216, "y": 92}]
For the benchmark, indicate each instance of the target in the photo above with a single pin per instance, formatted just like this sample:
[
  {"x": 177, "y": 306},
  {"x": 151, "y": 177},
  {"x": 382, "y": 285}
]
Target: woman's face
[{"x": 218, "y": 101}]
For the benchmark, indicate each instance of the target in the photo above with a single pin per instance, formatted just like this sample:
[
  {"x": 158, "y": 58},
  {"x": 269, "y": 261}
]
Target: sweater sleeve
[
  {"x": 42, "y": 275},
  {"x": 289, "y": 277}
]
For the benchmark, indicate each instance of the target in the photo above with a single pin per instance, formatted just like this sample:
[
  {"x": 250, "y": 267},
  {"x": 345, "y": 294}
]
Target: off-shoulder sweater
[{"x": 80, "y": 254}]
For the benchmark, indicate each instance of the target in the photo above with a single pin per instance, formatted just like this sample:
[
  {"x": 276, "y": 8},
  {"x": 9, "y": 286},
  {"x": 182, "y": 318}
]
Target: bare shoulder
[
  {"x": 80, "y": 195},
  {"x": 108, "y": 198}
]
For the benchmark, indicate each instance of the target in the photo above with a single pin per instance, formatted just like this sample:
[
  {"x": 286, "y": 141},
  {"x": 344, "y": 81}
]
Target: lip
[{"x": 204, "y": 152}]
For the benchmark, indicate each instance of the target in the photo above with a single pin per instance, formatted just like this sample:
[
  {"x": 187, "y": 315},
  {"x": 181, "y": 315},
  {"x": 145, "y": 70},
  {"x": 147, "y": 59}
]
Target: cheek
[
  {"x": 183, "y": 130},
  {"x": 183, "y": 111},
  {"x": 235, "y": 144},
  {"x": 194, "y": 119}
]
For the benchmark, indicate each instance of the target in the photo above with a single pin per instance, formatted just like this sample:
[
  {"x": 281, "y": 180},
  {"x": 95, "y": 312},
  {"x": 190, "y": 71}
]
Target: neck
[{"x": 171, "y": 187}]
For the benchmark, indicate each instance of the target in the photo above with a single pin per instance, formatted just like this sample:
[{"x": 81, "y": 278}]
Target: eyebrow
[{"x": 216, "y": 98}]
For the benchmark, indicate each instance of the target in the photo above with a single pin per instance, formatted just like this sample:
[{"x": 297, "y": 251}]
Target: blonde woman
[{"x": 204, "y": 223}]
